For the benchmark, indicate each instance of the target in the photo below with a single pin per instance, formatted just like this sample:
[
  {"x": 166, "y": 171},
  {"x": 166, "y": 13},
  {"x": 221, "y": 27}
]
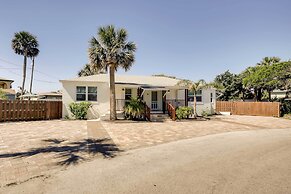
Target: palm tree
[
  {"x": 89, "y": 70},
  {"x": 33, "y": 52},
  {"x": 111, "y": 50},
  {"x": 269, "y": 61},
  {"x": 22, "y": 43},
  {"x": 193, "y": 87}
]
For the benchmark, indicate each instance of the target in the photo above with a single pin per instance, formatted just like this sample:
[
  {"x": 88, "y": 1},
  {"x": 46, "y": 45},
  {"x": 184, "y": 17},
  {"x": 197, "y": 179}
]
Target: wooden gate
[
  {"x": 24, "y": 110},
  {"x": 249, "y": 108}
]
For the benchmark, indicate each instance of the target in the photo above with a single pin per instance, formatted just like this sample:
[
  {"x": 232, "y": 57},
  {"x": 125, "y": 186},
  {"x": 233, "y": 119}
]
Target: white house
[{"x": 156, "y": 91}]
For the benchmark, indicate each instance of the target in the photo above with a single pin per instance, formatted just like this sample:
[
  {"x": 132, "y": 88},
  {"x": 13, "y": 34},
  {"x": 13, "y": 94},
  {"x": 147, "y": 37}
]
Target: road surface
[{"x": 235, "y": 162}]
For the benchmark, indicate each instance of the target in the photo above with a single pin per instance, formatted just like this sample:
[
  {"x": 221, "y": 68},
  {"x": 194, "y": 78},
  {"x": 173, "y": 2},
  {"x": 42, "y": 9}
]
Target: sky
[{"x": 191, "y": 39}]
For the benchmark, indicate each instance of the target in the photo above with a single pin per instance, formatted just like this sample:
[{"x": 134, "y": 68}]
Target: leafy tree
[
  {"x": 111, "y": 50},
  {"x": 193, "y": 87},
  {"x": 229, "y": 85},
  {"x": 267, "y": 78},
  {"x": 33, "y": 52},
  {"x": 22, "y": 43}
]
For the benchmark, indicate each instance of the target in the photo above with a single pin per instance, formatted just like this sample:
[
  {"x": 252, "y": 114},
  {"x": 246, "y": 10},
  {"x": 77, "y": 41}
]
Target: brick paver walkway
[
  {"x": 39, "y": 148},
  {"x": 130, "y": 135}
]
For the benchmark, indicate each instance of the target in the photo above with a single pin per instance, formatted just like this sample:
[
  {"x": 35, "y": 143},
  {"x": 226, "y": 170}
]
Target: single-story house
[
  {"x": 6, "y": 87},
  {"x": 50, "y": 96},
  {"x": 279, "y": 93},
  {"x": 156, "y": 91}
]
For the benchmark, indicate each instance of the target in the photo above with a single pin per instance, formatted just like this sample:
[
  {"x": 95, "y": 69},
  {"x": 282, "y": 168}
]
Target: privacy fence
[
  {"x": 24, "y": 110},
  {"x": 249, "y": 108}
]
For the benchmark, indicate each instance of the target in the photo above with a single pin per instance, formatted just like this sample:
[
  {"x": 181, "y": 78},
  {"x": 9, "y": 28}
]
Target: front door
[{"x": 154, "y": 104}]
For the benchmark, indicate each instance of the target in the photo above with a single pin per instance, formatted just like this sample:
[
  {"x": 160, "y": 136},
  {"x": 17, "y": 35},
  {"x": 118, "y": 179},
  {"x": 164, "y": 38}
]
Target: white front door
[{"x": 154, "y": 102}]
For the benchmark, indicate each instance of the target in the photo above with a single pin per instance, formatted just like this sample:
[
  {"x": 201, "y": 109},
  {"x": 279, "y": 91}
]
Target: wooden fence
[
  {"x": 249, "y": 108},
  {"x": 23, "y": 110}
]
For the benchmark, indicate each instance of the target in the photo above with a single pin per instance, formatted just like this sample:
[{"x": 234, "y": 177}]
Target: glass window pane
[
  {"x": 81, "y": 97},
  {"x": 81, "y": 89},
  {"x": 128, "y": 91},
  {"x": 191, "y": 93},
  {"x": 199, "y": 92},
  {"x": 92, "y": 89},
  {"x": 92, "y": 97},
  {"x": 198, "y": 98}
]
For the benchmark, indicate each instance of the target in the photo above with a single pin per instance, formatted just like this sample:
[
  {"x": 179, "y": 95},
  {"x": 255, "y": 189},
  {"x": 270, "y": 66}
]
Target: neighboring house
[
  {"x": 279, "y": 93},
  {"x": 50, "y": 96},
  {"x": 156, "y": 91},
  {"x": 6, "y": 85}
]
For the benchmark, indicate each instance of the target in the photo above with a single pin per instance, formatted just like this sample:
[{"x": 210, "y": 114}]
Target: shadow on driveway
[{"x": 71, "y": 152}]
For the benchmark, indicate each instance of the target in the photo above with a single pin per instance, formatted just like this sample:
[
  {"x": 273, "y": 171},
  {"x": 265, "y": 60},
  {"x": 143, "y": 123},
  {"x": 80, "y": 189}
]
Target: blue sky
[{"x": 187, "y": 39}]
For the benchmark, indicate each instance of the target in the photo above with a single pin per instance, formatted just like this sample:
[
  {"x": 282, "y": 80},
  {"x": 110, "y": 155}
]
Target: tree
[
  {"x": 33, "y": 52},
  {"x": 229, "y": 85},
  {"x": 269, "y": 61},
  {"x": 111, "y": 50},
  {"x": 22, "y": 43},
  {"x": 267, "y": 78},
  {"x": 193, "y": 87},
  {"x": 90, "y": 70},
  {"x": 2, "y": 95}
]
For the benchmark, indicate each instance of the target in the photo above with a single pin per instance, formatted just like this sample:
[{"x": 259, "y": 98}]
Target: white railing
[{"x": 154, "y": 105}]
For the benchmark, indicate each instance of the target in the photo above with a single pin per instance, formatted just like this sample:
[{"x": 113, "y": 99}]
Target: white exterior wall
[
  {"x": 99, "y": 108},
  {"x": 206, "y": 105}
]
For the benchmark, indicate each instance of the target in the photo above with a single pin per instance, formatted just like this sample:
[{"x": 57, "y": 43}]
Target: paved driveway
[
  {"x": 237, "y": 162},
  {"x": 39, "y": 148},
  {"x": 131, "y": 135}
]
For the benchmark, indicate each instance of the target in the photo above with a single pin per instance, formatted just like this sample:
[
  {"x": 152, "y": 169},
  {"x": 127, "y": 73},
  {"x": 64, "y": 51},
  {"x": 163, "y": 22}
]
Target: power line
[
  {"x": 38, "y": 80},
  {"x": 15, "y": 64}
]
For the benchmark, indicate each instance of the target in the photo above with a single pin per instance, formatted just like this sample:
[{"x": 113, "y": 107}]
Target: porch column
[{"x": 186, "y": 97}]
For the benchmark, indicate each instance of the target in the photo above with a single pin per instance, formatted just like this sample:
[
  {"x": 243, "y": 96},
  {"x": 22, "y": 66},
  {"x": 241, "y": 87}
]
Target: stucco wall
[
  {"x": 206, "y": 104},
  {"x": 99, "y": 108}
]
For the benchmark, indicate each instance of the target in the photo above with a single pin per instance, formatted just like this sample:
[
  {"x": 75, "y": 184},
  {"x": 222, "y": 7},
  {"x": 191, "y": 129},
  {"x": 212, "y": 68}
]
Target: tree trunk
[
  {"x": 194, "y": 105},
  {"x": 112, "y": 93},
  {"x": 270, "y": 97},
  {"x": 24, "y": 73},
  {"x": 259, "y": 94},
  {"x": 31, "y": 79}
]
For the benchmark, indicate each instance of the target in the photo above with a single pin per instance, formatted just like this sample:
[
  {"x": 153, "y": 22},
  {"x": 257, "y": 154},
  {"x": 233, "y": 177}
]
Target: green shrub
[
  {"x": 134, "y": 109},
  {"x": 285, "y": 107},
  {"x": 80, "y": 110},
  {"x": 183, "y": 112}
]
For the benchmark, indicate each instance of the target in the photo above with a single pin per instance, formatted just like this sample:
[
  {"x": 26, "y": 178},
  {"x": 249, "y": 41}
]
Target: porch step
[{"x": 160, "y": 118}]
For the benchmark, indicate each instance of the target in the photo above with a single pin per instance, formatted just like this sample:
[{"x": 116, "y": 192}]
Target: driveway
[
  {"x": 40, "y": 148},
  {"x": 236, "y": 162},
  {"x": 131, "y": 135},
  {"x": 30, "y": 150}
]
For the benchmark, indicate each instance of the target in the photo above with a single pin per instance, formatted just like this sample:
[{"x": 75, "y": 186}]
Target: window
[
  {"x": 81, "y": 93},
  {"x": 86, "y": 93},
  {"x": 127, "y": 94},
  {"x": 211, "y": 97},
  {"x": 92, "y": 93},
  {"x": 190, "y": 96},
  {"x": 198, "y": 96}
]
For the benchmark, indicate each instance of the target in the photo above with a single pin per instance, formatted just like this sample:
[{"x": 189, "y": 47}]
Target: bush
[
  {"x": 134, "y": 110},
  {"x": 183, "y": 112},
  {"x": 285, "y": 107},
  {"x": 80, "y": 110}
]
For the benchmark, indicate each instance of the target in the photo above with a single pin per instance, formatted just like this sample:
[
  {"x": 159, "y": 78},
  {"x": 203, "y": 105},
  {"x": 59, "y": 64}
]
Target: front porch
[{"x": 156, "y": 98}]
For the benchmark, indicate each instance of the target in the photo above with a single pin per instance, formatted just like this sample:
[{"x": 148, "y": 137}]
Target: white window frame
[
  {"x": 87, "y": 94},
  {"x": 81, "y": 93}
]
